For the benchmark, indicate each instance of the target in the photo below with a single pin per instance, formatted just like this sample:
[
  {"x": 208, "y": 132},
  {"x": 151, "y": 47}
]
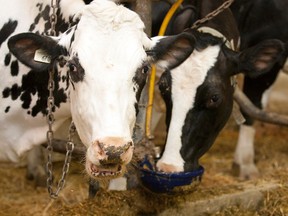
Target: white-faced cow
[
  {"x": 101, "y": 57},
  {"x": 257, "y": 21},
  {"x": 199, "y": 92}
]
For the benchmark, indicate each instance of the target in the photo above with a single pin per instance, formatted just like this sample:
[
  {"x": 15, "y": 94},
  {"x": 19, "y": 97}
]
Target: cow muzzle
[{"x": 106, "y": 158}]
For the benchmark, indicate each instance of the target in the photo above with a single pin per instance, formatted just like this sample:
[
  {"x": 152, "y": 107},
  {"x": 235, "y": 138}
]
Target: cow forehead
[
  {"x": 109, "y": 40},
  {"x": 119, "y": 49},
  {"x": 192, "y": 73}
]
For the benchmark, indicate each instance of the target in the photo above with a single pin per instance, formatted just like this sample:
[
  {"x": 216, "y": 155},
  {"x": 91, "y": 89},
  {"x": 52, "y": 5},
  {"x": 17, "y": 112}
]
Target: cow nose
[
  {"x": 114, "y": 154},
  {"x": 114, "y": 151}
]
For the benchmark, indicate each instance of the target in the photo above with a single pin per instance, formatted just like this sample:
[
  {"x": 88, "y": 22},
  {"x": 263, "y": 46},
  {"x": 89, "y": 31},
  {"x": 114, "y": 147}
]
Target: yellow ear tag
[{"x": 42, "y": 56}]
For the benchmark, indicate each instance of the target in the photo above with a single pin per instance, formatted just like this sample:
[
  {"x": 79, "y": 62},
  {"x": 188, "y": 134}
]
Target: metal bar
[{"x": 144, "y": 9}]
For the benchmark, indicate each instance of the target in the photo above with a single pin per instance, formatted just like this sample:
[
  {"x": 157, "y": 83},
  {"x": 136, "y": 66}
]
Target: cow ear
[
  {"x": 35, "y": 51},
  {"x": 183, "y": 19},
  {"x": 171, "y": 51},
  {"x": 260, "y": 58}
]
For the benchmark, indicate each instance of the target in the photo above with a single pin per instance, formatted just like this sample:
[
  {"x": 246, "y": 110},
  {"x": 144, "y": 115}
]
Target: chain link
[
  {"x": 50, "y": 120},
  {"x": 53, "y": 16},
  {"x": 213, "y": 14}
]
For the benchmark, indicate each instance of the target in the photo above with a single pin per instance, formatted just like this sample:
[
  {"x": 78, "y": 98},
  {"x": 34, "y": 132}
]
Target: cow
[
  {"x": 198, "y": 94},
  {"x": 257, "y": 21},
  {"x": 101, "y": 57}
]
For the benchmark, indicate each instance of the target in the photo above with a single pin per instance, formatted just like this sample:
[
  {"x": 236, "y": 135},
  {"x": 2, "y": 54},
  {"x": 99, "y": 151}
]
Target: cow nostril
[
  {"x": 113, "y": 151},
  {"x": 111, "y": 148},
  {"x": 127, "y": 146}
]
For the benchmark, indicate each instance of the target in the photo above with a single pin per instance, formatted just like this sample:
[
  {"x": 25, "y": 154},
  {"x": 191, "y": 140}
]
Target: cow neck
[{"x": 237, "y": 115}]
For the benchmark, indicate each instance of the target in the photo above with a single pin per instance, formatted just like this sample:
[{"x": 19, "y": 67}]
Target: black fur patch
[
  {"x": 6, "y": 92},
  {"x": 7, "y": 29},
  {"x": 165, "y": 87},
  {"x": 140, "y": 79},
  {"x": 14, "y": 68},
  {"x": 44, "y": 14},
  {"x": 76, "y": 71},
  {"x": 7, "y": 59},
  {"x": 68, "y": 31},
  {"x": 7, "y": 109},
  {"x": 15, "y": 91},
  {"x": 35, "y": 84}
]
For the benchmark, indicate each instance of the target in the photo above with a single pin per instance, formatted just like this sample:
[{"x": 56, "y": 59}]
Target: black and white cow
[
  {"x": 102, "y": 56},
  {"x": 199, "y": 93},
  {"x": 257, "y": 20}
]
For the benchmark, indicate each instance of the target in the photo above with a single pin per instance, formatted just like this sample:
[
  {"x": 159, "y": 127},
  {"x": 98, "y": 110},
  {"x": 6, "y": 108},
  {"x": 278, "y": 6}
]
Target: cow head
[
  {"x": 107, "y": 57},
  {"x": 199, "y": 96}
]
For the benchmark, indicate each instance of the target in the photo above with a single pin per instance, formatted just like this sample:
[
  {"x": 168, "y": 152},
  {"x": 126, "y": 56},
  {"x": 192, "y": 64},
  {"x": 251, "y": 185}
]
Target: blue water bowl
[{"x": 170, "y": 183}]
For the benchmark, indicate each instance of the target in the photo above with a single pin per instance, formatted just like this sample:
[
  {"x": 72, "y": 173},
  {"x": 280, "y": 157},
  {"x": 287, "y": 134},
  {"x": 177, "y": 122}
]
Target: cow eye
[
  {"x": 214, "y": 98},
  {"x": 145, "y": 69},
  {"x": 75, "y": 71},
  {"x": 214, "y": 101},
  {"x": 72, "y": 67}
]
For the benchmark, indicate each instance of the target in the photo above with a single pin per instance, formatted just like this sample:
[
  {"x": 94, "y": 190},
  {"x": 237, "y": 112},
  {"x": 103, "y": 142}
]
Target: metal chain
[
  {"x": 51, "y": 120},
  {"x": 66, "y": 166},
  {"x": 53, "y": 16},
  {"x": 214, "y": 13}
]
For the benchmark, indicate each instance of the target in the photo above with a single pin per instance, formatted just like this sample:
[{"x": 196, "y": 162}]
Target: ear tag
[{"x": 42, "y": 56}]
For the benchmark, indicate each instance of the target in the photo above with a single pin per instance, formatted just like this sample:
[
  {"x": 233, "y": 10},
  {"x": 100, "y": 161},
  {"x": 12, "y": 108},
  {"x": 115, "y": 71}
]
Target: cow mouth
[{"x": 105, "y": 171}]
